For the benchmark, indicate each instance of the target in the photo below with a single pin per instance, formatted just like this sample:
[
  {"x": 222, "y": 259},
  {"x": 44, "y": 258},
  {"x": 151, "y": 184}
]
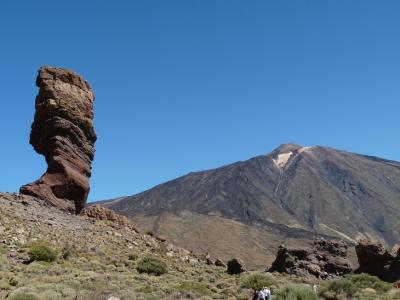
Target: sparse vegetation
[
  {"x": 152, "y": 266},
  {"x": 103, "y": 261},
  {"x": 68, "y": 251},
  {"x": 192, "y": 286},
  {"x": 295, "y": 292},
  {"x": 42, "y": 252},
  {"x": 363, "y": 281},
  {"x": 360, "y": 287},
  {"x": 132, "y": 256},
  {"x": 22, "y": 296},
  {"x": 257, "y": 281},
  {"x": 338, "y": 289}
]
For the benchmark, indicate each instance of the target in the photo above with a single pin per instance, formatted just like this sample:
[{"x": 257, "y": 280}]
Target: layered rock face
[
  {"x": 63, "y": 132},
  {"x": 375, "y": 260},
  {"x": 324, "y": 260}
]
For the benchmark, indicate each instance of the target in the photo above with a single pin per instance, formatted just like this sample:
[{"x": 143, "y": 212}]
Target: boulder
[
  {"x": 208, "y": 261},
  {"x": 63, "y": 132},
  {"x": 375, "y": 260},
  {"x": 219, "y": 263},
  {"x": 161, "y": 238},
  {"x": 235, "y": 266},
  {"x": 326, "y": 259}
]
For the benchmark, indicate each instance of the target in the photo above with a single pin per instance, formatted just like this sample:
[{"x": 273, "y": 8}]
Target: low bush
[
  {"x": 22, "y": 296},
  {"x": 337, "y": 289},
  {"x": 42, "y": 252},
  {"x": 152, "y": 266},
  {"x": 362, "y": 281},
  {"x": 295, "y": 292},
  {"x": 360, "y": 286},
  {"x": 257, "y": 281},
  {"x": 191, "y": 286}
]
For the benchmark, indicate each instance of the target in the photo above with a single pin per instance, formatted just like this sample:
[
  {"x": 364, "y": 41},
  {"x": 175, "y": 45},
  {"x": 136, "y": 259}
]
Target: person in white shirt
[{"x": 264, "y": 294}]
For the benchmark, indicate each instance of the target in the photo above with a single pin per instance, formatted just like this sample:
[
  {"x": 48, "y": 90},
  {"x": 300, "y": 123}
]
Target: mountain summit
[{"x": 292, "y": 195}]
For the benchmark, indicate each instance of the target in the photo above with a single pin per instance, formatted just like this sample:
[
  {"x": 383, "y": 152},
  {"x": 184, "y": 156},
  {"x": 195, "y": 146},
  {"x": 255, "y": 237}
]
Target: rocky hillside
[
  {"x": 95, "y": 259},
  {"x": 46, "y": 254},
  {"x": 290, "y": 195}
]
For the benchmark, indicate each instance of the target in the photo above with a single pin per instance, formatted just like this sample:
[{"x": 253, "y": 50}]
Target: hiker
[{"x": 263, "y": 294}]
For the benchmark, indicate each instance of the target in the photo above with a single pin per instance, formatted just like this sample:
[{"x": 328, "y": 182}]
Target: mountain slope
[{"x": 289, "y": 195}]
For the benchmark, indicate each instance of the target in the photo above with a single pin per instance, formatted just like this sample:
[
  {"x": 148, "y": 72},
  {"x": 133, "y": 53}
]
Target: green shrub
[
  {"x": 152, "y": 266},
  {"x": 257, "y": 281},
  {"x": 338, "y": 289},
  {"x": 22, "y": 296},
  {"x": 4, "y": 284},
  {"x": 295, "y": 292},
  {"x": 42, "y": 252},
  {"x": 192, "y": 286},
  {"x": 362, "y": 281}
]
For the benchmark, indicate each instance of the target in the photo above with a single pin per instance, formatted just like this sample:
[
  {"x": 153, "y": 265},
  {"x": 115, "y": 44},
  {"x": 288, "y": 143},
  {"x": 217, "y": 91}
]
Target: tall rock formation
[{"x": 63, "y": 132}]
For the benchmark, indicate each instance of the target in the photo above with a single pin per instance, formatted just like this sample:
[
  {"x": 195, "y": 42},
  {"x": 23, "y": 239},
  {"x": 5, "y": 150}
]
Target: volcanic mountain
[{"x": 290, "y": 196}]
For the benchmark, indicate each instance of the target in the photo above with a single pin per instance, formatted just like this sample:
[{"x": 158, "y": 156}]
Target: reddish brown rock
[
  {"x": 325, "y": 259},
  {"x": 375, "y": 260},
  {"x": 99, "y": 212},
  {"x": 63, "y": 132}
]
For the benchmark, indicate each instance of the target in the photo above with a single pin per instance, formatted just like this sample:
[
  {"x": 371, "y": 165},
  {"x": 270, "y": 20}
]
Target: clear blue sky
[{"x": 190, "y": 85}]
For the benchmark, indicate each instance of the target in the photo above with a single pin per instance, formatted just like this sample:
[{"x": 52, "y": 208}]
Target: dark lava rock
[
  {"x": 375, "y": 260},
  {"x": 63, "y": 132},
  {"x": 235, "y": 266},
  {"x": 325, "y": 259}
]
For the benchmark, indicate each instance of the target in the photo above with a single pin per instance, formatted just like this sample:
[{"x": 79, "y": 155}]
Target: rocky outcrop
[
  {"x": 63, "y": 132},
  {"x": 235, "y": 266},
  {"x": 104, "y": 214},
  {"x": 324, "y": 260},
  {"x": 375, "y": 260}
]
